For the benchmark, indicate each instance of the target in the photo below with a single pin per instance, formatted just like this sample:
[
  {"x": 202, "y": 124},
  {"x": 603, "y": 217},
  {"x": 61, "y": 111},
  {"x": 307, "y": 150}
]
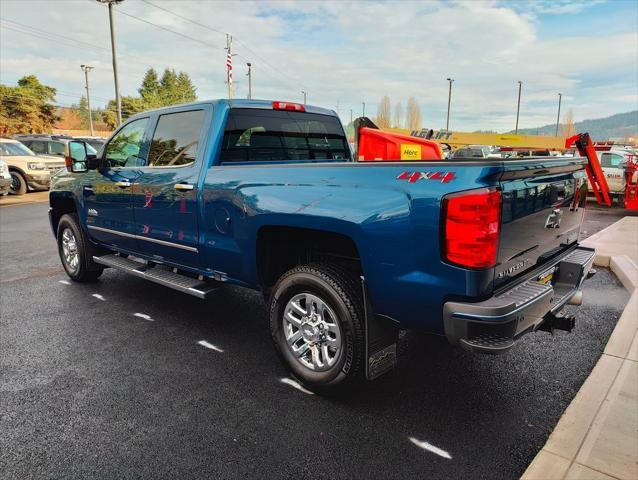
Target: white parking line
[
  {"x": 430, "y": 448},
  {"x": 64, "y": 282},
  {"x": 204, "y": 343},
  {"x": 99, "y": 297},
  {"x": 293, "y": 384},
  {"x": 144, "y": 316}
]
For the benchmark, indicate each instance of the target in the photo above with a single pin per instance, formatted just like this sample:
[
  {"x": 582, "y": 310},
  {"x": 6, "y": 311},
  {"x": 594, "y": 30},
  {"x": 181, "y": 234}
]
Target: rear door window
[
  {"x": 259, "y": 135},
  {"x": 56, "y": 148},
  {"x": 175, "y": 139}
]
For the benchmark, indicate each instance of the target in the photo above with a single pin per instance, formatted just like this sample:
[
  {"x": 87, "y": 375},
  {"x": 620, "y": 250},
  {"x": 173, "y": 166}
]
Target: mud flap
[{"x": 381, "y": 336}]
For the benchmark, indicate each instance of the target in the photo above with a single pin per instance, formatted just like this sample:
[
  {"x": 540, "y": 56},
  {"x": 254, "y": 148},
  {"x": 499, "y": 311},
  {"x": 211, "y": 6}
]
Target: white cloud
[{"x": 345, "y": 52}]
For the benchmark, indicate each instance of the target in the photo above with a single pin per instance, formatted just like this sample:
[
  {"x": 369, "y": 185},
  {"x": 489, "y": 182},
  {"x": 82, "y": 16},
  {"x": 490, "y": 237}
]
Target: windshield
[{"x": 14, "y": 150}]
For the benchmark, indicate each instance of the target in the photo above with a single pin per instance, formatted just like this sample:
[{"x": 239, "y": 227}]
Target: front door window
[{"x": 125, "y": 148}]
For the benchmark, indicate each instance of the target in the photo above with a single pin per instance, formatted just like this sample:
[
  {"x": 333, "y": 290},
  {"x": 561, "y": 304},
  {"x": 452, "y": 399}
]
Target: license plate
[{"x": 546, "y": 277}]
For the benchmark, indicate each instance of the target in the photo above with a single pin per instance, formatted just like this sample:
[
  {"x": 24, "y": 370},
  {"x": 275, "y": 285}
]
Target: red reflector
[
  {"x": 472, "y": 223},
  {"x": 297, "y": 107}
]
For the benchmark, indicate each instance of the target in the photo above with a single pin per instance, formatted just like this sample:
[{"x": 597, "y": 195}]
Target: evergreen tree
[
  {"x": 150, "y": 89},
  {"x": 168, "y": 88},
  {"x": 186, "y": 87},
  {"x": 83, "y": 111}
]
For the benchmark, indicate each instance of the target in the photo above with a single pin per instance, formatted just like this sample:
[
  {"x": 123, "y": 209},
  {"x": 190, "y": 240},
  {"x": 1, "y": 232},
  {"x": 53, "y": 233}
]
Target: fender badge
[{"x": 413, "y": 177}]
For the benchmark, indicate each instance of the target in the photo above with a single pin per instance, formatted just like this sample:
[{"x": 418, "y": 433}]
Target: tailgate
[{"x": 542, "y": 210}]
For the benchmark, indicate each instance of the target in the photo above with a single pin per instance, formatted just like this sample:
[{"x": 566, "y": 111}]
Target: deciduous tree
[
  {"x": 414, "y": 115},
  {"x": 398, "y": 115},
  {"x": 569, "y": 128},
  {"x": 383, "y": 113},
  {"x": 27, "y": 108}
]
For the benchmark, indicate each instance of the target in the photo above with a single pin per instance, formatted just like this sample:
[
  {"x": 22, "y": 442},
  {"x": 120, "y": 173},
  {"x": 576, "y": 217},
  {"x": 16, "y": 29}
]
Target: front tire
[
  {"x": 316, "y": 322},
  {"x": 18, "y": 184},
  {"x": 76, "y": 252}
]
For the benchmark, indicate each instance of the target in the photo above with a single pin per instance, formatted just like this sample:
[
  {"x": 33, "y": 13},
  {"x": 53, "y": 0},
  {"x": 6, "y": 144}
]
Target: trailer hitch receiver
[{"x": 554, "y": 322}]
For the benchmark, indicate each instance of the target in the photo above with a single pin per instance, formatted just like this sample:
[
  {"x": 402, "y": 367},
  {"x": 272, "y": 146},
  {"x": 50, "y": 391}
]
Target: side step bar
[{"x": 176, "y": 281}]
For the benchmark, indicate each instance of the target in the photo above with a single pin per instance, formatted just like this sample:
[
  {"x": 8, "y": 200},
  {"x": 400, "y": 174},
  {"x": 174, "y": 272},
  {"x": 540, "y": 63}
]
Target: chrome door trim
[{"x": 139, "y": 237}]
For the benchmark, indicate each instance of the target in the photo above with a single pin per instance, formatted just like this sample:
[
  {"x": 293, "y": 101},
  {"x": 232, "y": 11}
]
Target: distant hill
[{"x": 620, "y": 125}]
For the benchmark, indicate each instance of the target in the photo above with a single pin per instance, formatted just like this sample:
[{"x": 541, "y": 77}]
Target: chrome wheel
[
  {"x": 70, "y": 249},
  {"x": 312, "y": 332}
]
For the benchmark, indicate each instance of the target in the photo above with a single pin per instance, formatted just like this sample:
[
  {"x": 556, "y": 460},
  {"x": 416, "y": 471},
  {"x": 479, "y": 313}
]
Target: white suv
[{"x": 28, "y": 171}]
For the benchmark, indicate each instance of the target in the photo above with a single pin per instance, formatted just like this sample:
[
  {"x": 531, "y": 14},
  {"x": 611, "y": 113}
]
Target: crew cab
[{"x": 266, "y": 195}]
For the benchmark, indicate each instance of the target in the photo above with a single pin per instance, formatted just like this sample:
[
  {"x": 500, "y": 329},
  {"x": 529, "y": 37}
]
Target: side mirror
[{"x": 77, "y": 161}]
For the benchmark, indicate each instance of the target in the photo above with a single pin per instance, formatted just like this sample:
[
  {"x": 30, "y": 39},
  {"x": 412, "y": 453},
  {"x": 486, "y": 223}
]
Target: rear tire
[
  {"x": 76, "y": 251},
  {"x": 316, "y": 322},
  {"x": 18, "y": 184}
]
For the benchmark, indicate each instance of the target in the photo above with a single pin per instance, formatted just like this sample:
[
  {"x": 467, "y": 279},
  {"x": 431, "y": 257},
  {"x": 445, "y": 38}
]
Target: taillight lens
[{"x": 471, "y": 228}]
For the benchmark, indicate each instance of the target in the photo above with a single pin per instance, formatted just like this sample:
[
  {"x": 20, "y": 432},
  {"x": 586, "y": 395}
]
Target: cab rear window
[{"x": 257, "y": 135}]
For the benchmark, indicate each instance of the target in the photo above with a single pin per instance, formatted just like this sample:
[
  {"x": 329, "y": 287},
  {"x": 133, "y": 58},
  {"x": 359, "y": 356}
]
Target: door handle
[
  {"x": 88, "y": 188},
  {"x": 183, "y": 186},
  {"x": 123, "y": 184}
]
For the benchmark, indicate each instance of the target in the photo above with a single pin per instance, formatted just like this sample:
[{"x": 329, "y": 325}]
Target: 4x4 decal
[{"x": 413, "y": 177}]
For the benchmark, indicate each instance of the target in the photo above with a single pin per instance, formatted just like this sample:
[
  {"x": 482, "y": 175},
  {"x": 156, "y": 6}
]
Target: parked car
[
  {"x": 52, "y": 146},
  {"x": 266, "y": 195},
  {"x": 95, "y": 142},
  {"x": 471, "y": 152},
  {"x": 5, "y": 178},
  {"x": 27, "y": 171}
]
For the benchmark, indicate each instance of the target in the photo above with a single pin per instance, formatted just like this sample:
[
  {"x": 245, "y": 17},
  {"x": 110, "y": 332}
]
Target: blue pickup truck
[{"x": 267, "y": 195}]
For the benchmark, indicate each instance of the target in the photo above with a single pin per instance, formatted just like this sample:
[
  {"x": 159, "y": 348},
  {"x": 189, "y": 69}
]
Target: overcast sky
[{"x": 345, "y": 53}]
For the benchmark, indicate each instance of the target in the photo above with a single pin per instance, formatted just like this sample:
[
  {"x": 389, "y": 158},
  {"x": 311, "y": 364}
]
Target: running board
[{"x": 176, "y": 281}]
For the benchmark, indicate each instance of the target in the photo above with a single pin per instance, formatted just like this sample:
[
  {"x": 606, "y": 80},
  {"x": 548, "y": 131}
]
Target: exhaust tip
[{"x": 577, "y": 298}]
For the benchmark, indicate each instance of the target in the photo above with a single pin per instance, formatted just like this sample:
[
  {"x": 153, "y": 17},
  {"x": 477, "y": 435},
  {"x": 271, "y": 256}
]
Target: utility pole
[
  {"x": 364, "y": 109},
  {"x": 250, "y": 83},
  {"x": 229, "y": 64},
  {"x": 449, "y": 99},
  {"x": 305, "y": 96},
  {"x": 518, "y": 108},
  {"x": 118, "y": 100},
  {"x": 86, "y": 69},
  {"x": 350, "y": 115},
  {"x": 560, "y": 97}
]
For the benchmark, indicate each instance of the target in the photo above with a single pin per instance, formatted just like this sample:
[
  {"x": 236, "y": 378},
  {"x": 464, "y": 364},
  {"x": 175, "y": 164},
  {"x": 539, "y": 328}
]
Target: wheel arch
[
  {"x": 61, "y": 203},
  {"x": 280, "y": 248}
]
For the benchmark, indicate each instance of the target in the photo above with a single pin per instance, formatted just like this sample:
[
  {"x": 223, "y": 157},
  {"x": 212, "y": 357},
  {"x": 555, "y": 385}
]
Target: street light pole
[
  {"x": 364, "y": 109},
  {"x": 118, "y": 100},
  {"x": 250, "y": 81},
  {"x": 518, "y": 108},
  {"x": 305, "y": 97},
  {"x": 560, "y": 97},
  {"x": 86, "y": 69},
  {"x": 449, "y": 99}
]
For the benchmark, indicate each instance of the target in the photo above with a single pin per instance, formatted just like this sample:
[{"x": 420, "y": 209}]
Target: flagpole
[{"x": 229, "y": 64}]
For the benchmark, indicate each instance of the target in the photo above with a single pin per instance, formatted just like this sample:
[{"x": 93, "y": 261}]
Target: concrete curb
[{"x": 597, "y": 436}]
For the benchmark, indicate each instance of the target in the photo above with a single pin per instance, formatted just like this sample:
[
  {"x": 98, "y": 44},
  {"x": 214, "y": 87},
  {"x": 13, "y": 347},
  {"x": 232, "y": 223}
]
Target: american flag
[{"x": 229, "y": 66}]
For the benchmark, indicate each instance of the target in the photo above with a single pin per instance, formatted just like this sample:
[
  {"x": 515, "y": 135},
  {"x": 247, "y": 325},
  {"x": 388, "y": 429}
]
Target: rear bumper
[{"x": 492, "y": 326}]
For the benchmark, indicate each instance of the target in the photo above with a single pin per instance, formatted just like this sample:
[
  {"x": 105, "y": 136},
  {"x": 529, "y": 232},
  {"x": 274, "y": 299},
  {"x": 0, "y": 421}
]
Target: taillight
[
  {"x": 471, "y": 227},
  {"x": 68, "y": 161},
  {"x": 296, "y": 107}
]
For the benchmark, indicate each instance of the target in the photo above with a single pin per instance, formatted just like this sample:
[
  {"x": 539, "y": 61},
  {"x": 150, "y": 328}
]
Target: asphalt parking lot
[{"x": 110, "y": 380}]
